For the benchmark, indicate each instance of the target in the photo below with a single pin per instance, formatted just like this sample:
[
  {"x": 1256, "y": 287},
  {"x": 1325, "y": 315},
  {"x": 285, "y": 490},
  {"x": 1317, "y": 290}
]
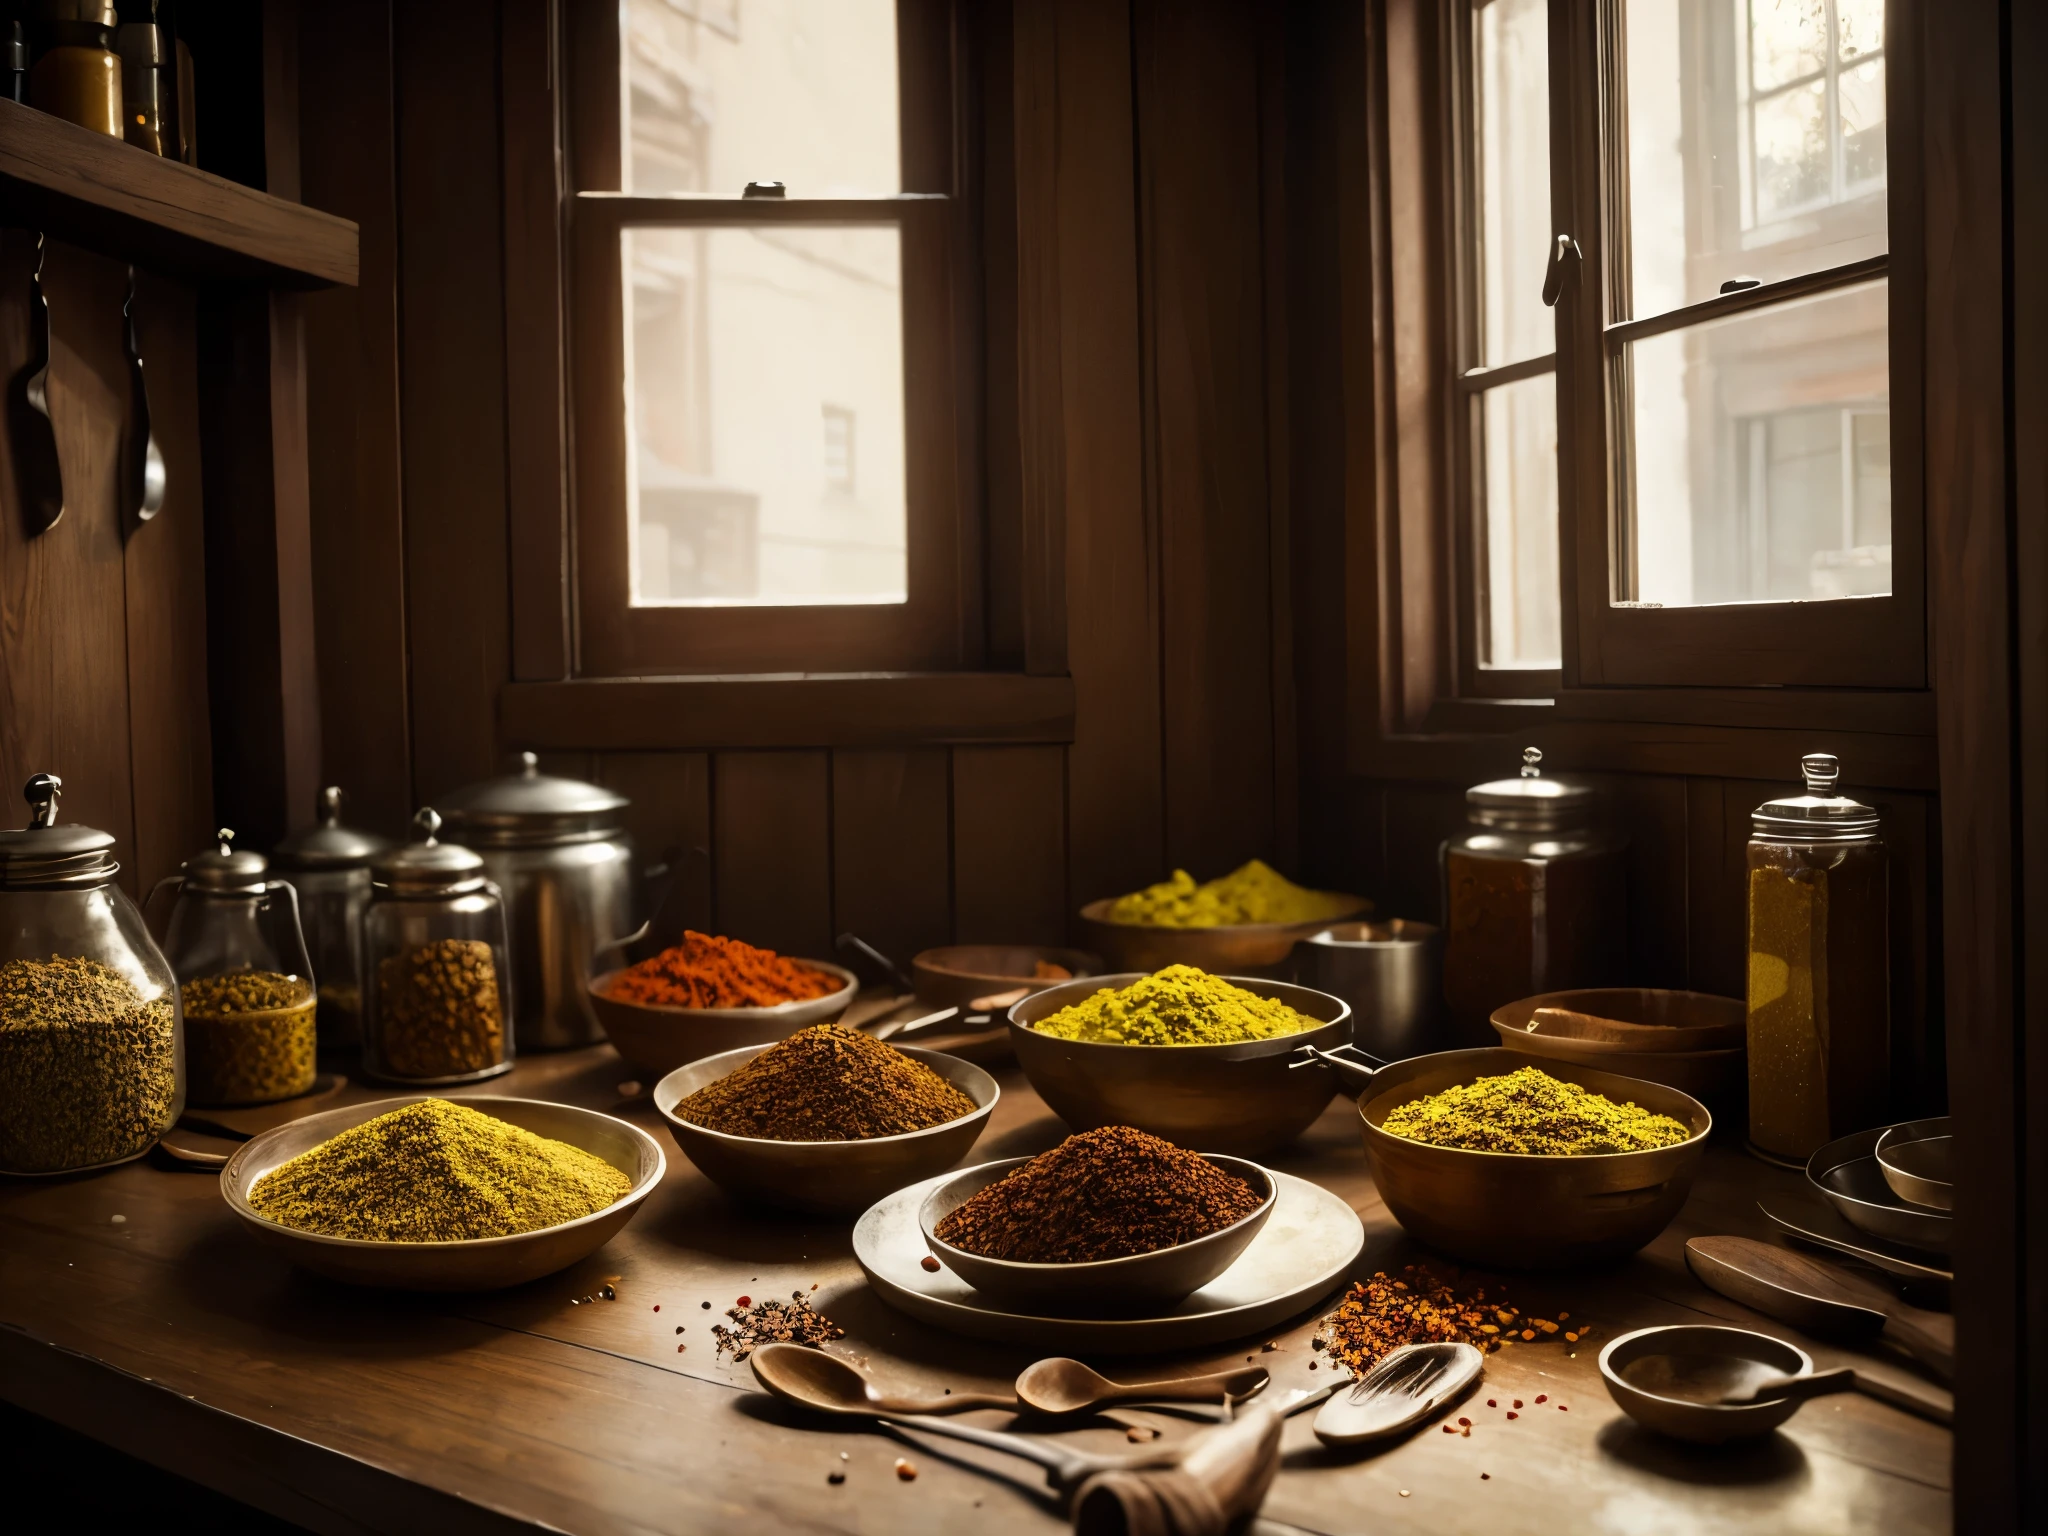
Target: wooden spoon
[
  {"x": 1841, "y": 1379},
  {"x": 1067, "y": 1386},
  {"x": 824, "y": 1383}
]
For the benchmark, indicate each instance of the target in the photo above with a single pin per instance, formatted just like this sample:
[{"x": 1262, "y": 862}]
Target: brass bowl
[
  {"x": 1236, "y": 949},
  {"x": 1239, "y": 1099},
  {"x": 1521, "y": 1211},
  {"x": 1132, "y": 1286},
  {"x": 955, "y": 976},
  {"x": 477, "y": 1264},
  {"x": 658, "y": 1039},
  {"x": 830, "y": 1177}
]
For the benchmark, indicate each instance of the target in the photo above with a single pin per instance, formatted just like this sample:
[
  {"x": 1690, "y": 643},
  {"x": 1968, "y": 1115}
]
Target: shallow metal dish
[
  {"x": 1237, "y": 1099},
  {"x": 479, "y": 1264},
  {"x": 1133, "y": 1286},
  {"x": 1914, "y": 1159},
  {"x": 1519, "y": 1210},
  {"x": 657, "y": 1040},
  {"x": 955, "y": 976},
  {"x": 1846, "y": 1174},
  {"x": 830, "y": 1177},
  {"x": 1688, "y": 1418},
  {"x": 1237, "y": 948}
]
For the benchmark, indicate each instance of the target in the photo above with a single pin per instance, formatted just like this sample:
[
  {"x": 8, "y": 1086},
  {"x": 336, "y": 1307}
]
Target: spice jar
[
  {"x": 329, "y": 866},
  {"x": 1535, "y": 898},
  {"x": 91, "y": 1045},
  {"x": 77, "y": 74},
  {"x": 434, "y": 955},
  {"x": 244, "y": 977},
  {"x": 1819, "y": 980},
  {"x": 147, "y": 66}
]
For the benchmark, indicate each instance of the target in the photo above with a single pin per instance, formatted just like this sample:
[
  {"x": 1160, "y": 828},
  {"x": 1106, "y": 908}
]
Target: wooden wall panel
[
  {"x": 670, "y": 824},
  {"x": 1418, "y": 817},
  {"x": 1717, "y": 815},
  {"x": 1650, "y": 810},
  {"x": 1008, "y": 815},
  {"x": 772, "y": 850},
  {"x": 892, "y": 849}
]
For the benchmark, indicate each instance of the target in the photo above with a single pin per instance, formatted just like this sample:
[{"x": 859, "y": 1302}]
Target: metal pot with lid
[{"x": 556, "y": 848}]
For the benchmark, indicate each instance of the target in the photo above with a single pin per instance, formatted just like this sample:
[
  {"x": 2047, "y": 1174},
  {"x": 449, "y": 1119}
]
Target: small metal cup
[{"x": 1391, "y": 974}]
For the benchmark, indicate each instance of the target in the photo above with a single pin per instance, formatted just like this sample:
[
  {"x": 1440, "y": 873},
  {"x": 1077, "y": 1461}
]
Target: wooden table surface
[{"x": 133, "y": 1309}]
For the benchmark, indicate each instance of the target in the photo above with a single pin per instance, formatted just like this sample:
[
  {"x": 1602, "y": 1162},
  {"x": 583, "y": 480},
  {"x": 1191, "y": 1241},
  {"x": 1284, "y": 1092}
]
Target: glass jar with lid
[
  {"x": 244, "y": 977},
  {"x": 328, "y": 864},
  {"x": 1535, "y": 898},
  {"x": 439, "y": 991},
  {"x": 92, "y": 1062},
  {"x": 1819, "y": 972}
]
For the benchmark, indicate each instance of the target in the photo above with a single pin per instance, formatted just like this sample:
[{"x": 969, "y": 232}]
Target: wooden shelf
[{"x": 87, "y": 189}]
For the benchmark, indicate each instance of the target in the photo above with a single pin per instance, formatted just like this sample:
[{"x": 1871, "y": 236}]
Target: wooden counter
[{"x": 133, "y": 1310}]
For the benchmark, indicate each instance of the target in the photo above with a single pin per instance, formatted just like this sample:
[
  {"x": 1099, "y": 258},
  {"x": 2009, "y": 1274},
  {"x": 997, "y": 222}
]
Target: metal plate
[
  {"x": 1806, "y": 1216},
  {"x": 1848, "y": 1178},
  {"x": 1307, "y": 1248}
]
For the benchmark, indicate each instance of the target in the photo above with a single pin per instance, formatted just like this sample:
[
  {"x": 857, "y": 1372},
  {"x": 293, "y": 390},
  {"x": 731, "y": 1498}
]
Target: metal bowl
[
  {"x": 657, "y": 1040},
  {"x": 1133, "y": 1286},
  {"x": 1239, "y": 1099},
  {"x": 1707, "y": 1361},
  {"x": 1520, "y": 1210},
  {"x": 1239, "y": 949},
  {"x": 955, "y": 976},
  {"x": 1915, "y": 1161},
  {"x": 829, "y": 1177},
  {"x": 477, "y": 1264},
  {"x": 1846, "y": 1175}
]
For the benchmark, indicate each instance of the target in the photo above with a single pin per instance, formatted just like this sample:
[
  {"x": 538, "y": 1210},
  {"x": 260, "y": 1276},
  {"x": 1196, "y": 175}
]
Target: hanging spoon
[
  {"x": 145, "y": 480},
  {"x": 28, "y": 407}
]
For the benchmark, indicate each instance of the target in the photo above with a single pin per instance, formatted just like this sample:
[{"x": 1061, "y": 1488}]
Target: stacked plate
[{"x": 1867, "y": 1178}]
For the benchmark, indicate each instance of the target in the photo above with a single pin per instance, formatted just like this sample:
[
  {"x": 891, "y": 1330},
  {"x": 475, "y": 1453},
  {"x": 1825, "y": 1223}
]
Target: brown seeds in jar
[
  {"x": 438, "y": 1012},
  {"x": 87, "y": 1073}
]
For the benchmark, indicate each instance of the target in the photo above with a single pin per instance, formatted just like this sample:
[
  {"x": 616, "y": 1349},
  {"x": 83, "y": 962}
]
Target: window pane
[
  {"x": 764, "y": 422},
  {"x": 719, "y": 93},
  {"x": 1513, "y": 136},
  {"x": 1755, "y": 142},
  {"x": 1518, "y": 434},
  {"x": 1761, "y": 455}
]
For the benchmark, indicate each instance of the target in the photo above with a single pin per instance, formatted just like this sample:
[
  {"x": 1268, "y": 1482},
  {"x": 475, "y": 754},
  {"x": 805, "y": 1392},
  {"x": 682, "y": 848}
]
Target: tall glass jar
[
  {"x": 1535, "y": 898},
  {"x": 245, "y": 978},
  {"x": 1819, "y": 969},
  {"x": 329, "y": 866},
  {"x": 92, "y": 1061},
  {"x": 440, "y": 991}
]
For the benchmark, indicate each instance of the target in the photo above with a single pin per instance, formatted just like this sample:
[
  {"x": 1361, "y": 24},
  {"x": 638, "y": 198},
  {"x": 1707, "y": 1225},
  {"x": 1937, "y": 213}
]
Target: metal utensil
[
  {"x": 1812, "y": 1220},
  {"x": 827, "y": 1384},
  {"x": 145, "y": 481},
  {"x": 1060, "y": 1385},
  {"x": 34, "y": 435},
  {"x": 1914, "y": 1159},
  {"x": 857, "y": 949},
  {"x": 1391, "y": 974},
  {"x": 1403, "y": 1390},
  {"x": 1846, "y": 1175},
  {"x": 1820, "y": 1298}
]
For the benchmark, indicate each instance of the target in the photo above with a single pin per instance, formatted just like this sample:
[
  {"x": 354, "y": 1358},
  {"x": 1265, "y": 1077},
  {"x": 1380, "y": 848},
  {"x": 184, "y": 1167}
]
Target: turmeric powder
[
  {"x": 1177, "y": 1006},
  {"x": 1252, "y": 893}
]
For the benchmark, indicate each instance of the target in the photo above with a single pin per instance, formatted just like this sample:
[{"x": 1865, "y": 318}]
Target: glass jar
[
  {"x": 329, "y": 866},
  {"x": 434, "y": 954},
  {"x": 77, "y": 74},
  {"x": 243, "y": 974},
  {"x": 1819, "y": 973},
  {"x": 1535, "y": 898},
  {"x": 92, "y": 1061}
]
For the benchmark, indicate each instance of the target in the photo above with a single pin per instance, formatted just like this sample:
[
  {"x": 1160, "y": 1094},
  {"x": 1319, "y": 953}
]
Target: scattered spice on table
[
  {"x": 250, "y": 1037},
  {"x": 87, "y": 1065},
  {"x": 437, "y": 1010},
  {"x": 906, "y": 1470},
  {"x": 772, "y": 1321},
  {"x": 705, "y": 971},
  {"x": 1251, "y": 893},
  {"x": 1104, "y": 1194},
  {"x": 1529, "y": 1111},
  {"x": 1180, "y": 1005},
  {"x": 437, "y": 1171},
  {"x": 826, "y": 1084},
  {"x": 1380, "y": 1315}
]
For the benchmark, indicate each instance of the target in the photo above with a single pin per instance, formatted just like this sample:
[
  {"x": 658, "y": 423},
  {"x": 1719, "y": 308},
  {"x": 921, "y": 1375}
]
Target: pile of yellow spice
[
  {"x": 1252, "y": 893},
  {"x": 1180, "y": 1005},
  {"x": 1529, "y": 1111}
]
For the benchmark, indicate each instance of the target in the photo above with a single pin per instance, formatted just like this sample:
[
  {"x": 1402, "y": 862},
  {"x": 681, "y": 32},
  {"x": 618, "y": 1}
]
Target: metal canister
[
  {"x": 328, "y": 864},
  {"x": 1391, "y": 973},
  {"x": 556, "y": 848}
]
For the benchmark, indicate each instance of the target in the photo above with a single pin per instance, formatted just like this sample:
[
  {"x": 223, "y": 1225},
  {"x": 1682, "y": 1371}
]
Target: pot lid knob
[{"x": 42, "y": 793}]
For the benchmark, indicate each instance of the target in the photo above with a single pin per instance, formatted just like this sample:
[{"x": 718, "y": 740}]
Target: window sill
[{"x": 794, "y": 709}]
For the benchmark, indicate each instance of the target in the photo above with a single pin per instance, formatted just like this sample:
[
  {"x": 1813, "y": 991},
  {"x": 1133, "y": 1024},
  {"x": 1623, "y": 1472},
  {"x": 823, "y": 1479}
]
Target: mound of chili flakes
[{"x": 1380, "y": 1315}]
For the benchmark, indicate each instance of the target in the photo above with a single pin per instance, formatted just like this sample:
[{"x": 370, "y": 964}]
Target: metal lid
[
  {"x": 45, "y": 854},
  {"x": 1818, "y": 816},
  {"x": 226, "y": 870},
  {"x": 531, "y": 807},
  {"x": 327, "y": 844},
  {"x": 98, "y": 13},
  {"x": 1532, "y": 803},
  {"x": 426, "y": 865}
]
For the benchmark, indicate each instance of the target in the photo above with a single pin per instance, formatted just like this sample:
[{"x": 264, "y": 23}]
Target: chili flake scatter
[
  {"x": 773, "y": 1322},
  {"x": 906, "y": 1470},
  {"x": 1380, "y": 1315}
]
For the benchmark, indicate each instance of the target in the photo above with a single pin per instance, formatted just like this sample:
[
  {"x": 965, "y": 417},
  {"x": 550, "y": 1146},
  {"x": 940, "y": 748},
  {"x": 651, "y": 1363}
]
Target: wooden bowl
[
  {"x": 1700, "y": 1356},
  {"x": 657, "y": 1040},
  {"x": 955, "y": 976},
  {"x": 1235, "y": 949},
  {"x": 1720, "y": 1077}
]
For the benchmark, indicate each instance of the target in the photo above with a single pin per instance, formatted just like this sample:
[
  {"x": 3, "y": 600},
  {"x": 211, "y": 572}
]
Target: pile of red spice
[
  {"x": 1380, "y": 1315},
  {"x": 708, "y": 972}
]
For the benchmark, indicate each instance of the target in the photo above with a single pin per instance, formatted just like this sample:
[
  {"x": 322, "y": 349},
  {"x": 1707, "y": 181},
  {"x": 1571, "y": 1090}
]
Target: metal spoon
[
  {"x": 1403, "y": 1390},
  {"x": 1067, "y": 1386},
  {"x": 145, "y": 470},
  {"x": 824, "y": 1383},
  {"x": 35, "y": 436}
]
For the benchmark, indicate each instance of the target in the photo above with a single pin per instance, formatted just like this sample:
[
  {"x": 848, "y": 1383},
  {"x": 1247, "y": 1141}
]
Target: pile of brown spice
[
  {"x": 1104, "y": 1194},
  {"x": 1380, "y": 1315},
  {"x": 826, "y": 1084},
  {"x": 773, "y": 1322}
]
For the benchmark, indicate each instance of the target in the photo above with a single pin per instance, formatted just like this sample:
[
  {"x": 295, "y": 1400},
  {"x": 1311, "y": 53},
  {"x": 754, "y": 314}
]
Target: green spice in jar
[
  {"x": 438, "y": 1011},
  {"x": 1529, "y": 1111},
  {"x": 1180, "y": 1005},
  {"x": 88, "y": 1069},
  {"x": 250, "y": 1037}
]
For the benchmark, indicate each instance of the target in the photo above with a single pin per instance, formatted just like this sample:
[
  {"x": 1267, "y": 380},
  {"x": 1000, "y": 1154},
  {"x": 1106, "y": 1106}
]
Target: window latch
[{"x": 1564, "y": 261}]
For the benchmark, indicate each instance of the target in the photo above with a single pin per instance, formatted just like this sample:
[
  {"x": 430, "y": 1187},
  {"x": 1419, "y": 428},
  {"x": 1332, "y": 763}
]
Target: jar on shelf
[
  {"x": 91, "y": 1043},
  {"x": 329, "y": 866},
  {"x": 1535, "y": 898},
  {"x": 434, "y": 953},
  {"x": 77, "y": 73},
  {"x": 245, "y": 979},
  {"x": 1819, "y": 969}
]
